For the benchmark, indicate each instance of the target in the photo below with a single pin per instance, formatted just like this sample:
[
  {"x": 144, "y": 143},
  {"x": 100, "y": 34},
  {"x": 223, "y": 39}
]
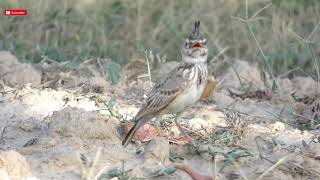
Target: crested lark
[{"x": 180, "y": 88}]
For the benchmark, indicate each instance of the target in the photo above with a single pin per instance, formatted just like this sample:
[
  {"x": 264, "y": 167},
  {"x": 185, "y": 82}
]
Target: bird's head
[{"x": 195, "y": 47}]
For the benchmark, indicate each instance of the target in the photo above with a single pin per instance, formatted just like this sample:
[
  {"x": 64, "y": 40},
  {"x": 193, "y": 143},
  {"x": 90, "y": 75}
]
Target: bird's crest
[{"x": 195, "y": 34}]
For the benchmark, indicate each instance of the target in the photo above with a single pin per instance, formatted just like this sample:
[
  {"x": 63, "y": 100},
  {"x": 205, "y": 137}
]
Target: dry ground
[{"x": 67, "y": 123}]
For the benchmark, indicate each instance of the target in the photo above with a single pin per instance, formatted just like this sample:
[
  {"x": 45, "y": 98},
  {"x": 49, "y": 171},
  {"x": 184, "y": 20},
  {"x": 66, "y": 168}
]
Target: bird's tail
[{"x": 127, "y": 139}]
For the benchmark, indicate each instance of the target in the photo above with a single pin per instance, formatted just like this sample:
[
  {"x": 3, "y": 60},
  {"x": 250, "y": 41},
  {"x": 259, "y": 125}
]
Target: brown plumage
[{"x": 180, "y": 88}]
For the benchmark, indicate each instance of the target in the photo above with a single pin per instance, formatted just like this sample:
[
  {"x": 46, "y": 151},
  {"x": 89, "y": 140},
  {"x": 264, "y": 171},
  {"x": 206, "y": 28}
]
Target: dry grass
[{"x": 122, "y": 30}]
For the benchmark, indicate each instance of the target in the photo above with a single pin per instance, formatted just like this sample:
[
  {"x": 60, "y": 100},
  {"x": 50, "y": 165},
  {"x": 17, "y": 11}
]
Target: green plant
[{"x": 76, "y": 30}]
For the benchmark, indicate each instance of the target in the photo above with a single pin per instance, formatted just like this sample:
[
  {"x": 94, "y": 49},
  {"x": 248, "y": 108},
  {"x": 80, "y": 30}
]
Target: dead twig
[
  {"x": 278, "y": 163},
  {"x": 290, "y": 166},
  {"x": 196, "y": 133},
  {"x": 101, "y": 68},
  {"x": 88, "y": 167},
  {"x": 148, "y": 65},
  {"x": 194, "y": 174},
  {"x": 3, "y": 132}
]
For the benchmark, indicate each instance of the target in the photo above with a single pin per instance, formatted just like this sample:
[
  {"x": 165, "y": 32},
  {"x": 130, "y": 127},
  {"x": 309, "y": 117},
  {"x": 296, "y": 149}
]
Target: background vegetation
[{"x": 283, "y": 36}]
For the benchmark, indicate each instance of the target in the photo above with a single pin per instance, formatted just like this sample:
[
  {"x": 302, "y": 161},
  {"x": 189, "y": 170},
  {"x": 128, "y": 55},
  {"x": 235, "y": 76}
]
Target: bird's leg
[
  {"x": 176, "y": 120},
  {"x": 158, "y": 126}
]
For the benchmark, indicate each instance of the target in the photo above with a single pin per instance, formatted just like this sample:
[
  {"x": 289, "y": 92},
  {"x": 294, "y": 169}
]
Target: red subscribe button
[{"x": 15, "y": 12}]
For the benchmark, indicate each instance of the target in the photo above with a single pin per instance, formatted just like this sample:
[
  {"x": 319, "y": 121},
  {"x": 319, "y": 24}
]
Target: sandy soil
[{"x": 61, "y": 122}]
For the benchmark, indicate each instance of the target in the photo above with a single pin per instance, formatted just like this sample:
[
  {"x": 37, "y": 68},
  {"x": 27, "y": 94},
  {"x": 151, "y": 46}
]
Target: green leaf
[
  {"x": 174, "y": 158},
  {"x": 275, "y": 87},
  {"x": 230, "y": 138},
  {"x": 116, "y": 172},
  {"x": 305, "y": 145},
  {"x": 110, "y": 104},
  {"x": 114, "y": 72},
  {"x": 233, "y": 155},
  {"x": 165, "y": 171}
]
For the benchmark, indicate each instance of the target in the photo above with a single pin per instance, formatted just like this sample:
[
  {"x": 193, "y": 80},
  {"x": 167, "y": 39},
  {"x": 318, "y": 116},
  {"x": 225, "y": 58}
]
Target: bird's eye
[{"x": 205, "y": 42}]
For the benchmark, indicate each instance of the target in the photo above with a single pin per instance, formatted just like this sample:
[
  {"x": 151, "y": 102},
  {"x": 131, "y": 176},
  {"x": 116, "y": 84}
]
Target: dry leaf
[
  {"x": 259, "y": 94},
  {"x": 209, "y": 88},
  {"x": 181, "y": 140},
  {"x": 143, "y": 134}
]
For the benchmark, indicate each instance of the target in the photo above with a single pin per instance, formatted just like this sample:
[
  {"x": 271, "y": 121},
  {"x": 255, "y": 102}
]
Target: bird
[{"x": 178, "y": 89}]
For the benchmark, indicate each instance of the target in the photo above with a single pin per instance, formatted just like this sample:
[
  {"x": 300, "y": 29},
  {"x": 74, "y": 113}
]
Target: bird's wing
[
  {"x": 167, "y": 89},
  {"x": 163, "y": 93}
]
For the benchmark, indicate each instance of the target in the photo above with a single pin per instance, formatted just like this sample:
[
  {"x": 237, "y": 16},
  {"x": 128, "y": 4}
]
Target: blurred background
[{"x": 283, "y": 37}]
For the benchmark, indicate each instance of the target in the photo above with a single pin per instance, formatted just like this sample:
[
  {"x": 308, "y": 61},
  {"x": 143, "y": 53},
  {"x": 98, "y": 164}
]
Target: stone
[
  {"x": 157, "y": 150},
  {"x": 16, "y": 74},
  {"x": 157, "y": 153},
  {"x": 72, "y": 122},
  {"x": 197, "y": 124},
  {"x": 278, "y": 127},
  {"x": 222, "y": 99},
  {"x": 13, "y": 165},
  {"x": 248, "y": 73}
]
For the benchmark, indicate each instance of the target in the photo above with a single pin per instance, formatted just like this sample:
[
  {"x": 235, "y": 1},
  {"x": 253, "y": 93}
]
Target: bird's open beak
[{"x": 196, "y": 45}]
